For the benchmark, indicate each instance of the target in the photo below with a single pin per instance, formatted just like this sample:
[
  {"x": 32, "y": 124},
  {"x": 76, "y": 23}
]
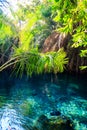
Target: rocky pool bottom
[{"x": 43, "y": 102}]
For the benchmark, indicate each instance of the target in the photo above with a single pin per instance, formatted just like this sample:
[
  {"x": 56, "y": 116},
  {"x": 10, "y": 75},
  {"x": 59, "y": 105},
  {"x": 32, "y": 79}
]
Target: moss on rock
[{"x": 54, "y": 123}]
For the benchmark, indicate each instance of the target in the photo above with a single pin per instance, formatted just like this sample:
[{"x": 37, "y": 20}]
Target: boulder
[
  {"x": 54, "y": 123},
  {"x": 54, "y": 42}
]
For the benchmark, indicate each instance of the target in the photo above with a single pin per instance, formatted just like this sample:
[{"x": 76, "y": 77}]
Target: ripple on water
[{"x": 10, "y": 120}]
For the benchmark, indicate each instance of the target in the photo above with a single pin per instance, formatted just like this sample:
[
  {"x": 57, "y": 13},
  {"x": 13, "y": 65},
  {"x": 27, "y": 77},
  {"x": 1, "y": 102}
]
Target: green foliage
[
  {"x": 36, "y": 22},
  {"x": 46, "y": 12},
  {"x": 83, "y": 53},
  {"x": 83, "y": 67},
  {"x": 26, "y": 34},
  {"x": 34, "y": 62},
  {"x": 37, "y": 25},
  {"x": 8, "y": 32},
  {"x": 5, "y": 29},
  {"x": 72, "y": 19}
]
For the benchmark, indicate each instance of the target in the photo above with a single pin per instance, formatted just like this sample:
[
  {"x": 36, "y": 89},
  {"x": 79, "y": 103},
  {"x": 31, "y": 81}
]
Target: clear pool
[{"x": 23, "y": 100}]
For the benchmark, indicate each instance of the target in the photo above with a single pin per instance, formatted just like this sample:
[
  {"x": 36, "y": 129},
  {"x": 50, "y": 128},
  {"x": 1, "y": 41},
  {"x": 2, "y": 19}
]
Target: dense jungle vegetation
[{"x": 23, "y": 34}]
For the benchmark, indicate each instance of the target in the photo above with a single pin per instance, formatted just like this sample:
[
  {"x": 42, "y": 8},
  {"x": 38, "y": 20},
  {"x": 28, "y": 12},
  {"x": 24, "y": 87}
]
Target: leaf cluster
[
  {"x": 36, "y": 63},
  {"x": 72, "y": 19}
]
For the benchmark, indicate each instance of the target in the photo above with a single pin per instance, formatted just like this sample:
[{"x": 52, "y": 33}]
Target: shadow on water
[{"x": 23, "y": 100}]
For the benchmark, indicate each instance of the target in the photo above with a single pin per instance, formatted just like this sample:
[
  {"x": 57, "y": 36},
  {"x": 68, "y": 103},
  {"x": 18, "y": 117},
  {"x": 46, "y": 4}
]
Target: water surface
[{"x": 23, "y": 100}]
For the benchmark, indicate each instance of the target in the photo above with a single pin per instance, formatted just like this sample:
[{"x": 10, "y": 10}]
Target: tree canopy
[{"x": 32, "y": 24}]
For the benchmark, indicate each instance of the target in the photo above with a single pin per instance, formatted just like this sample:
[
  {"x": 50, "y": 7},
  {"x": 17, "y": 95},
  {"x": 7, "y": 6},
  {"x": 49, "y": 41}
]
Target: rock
[
  {"x": 54, "y": 123},
  {"x": 54, "y": 42},
  {"x": 63, "y": 99},
  {"x": 41, "y": 122},
  {"x": 55, "y": 113}
]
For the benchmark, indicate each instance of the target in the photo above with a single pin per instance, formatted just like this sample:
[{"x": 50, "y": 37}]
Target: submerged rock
[
  {"x": 55, "y": 113},
  {"x": 27, "y": 107},
  {"x": 54, "y": 123}
]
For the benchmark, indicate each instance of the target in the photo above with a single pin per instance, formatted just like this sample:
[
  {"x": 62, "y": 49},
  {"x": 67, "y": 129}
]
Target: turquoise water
[{"x": 23, "y": 100}]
